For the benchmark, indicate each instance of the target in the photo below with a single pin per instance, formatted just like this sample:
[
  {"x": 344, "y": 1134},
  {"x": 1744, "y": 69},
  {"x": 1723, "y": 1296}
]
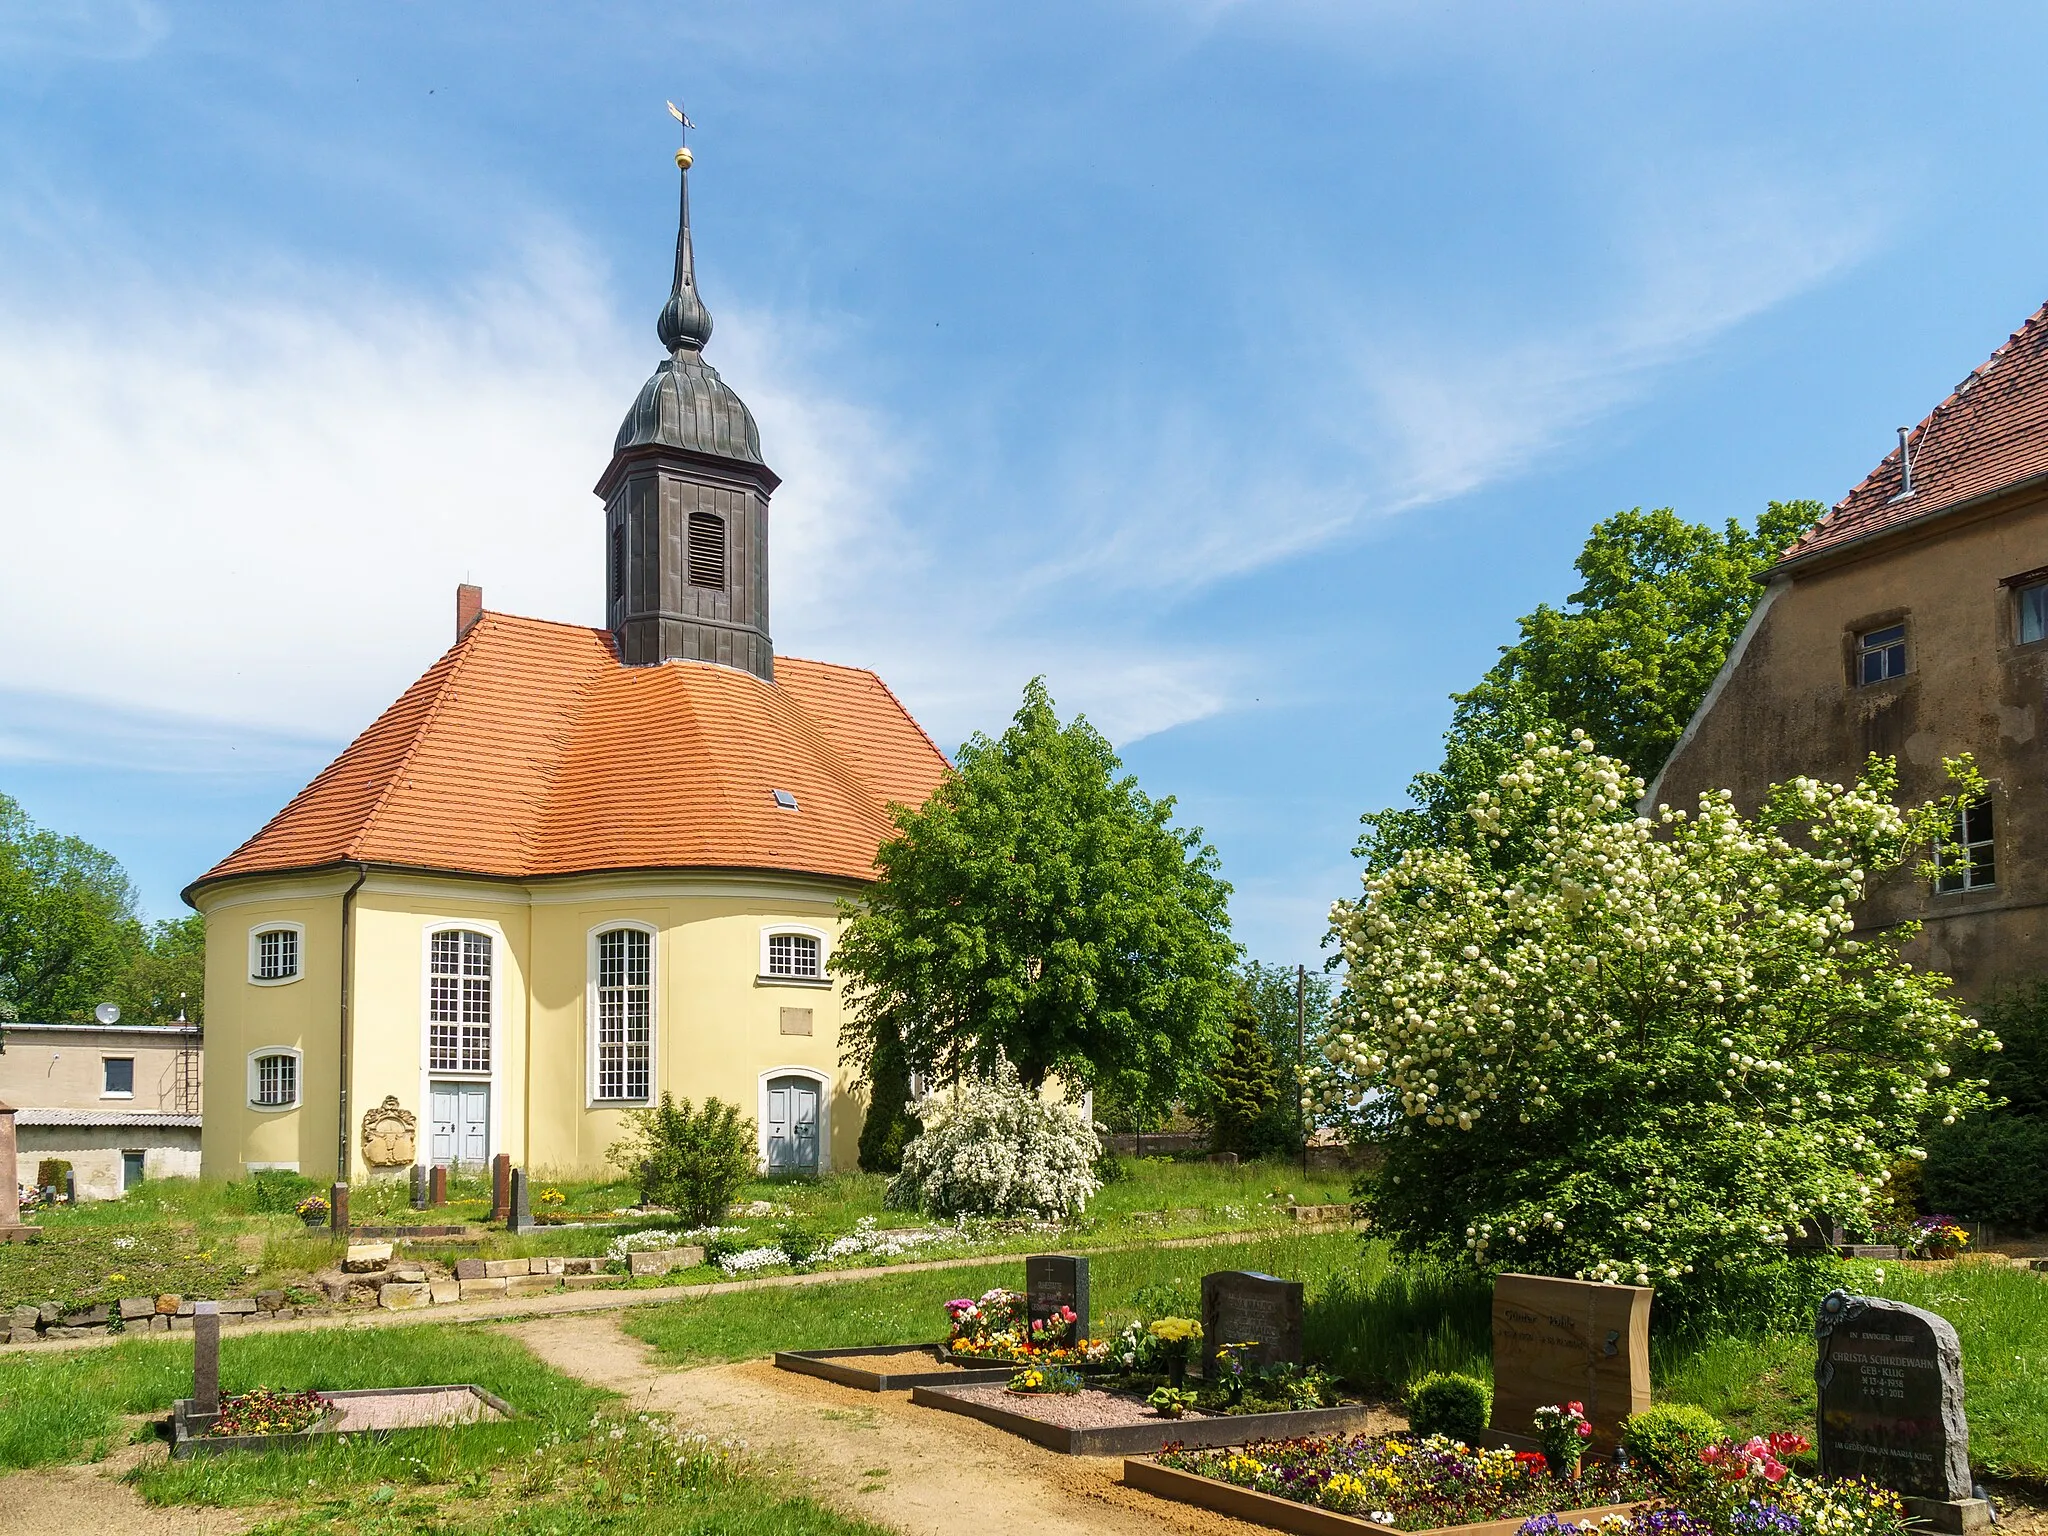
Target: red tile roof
[
  {"x": 528, "y": 750},
  {"x": 1989, "y": 434}
]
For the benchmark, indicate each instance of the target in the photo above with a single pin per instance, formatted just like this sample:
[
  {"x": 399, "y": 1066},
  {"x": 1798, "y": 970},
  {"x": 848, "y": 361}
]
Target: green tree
[
  {"x": 1989, "y": 1167},
  {"x": 1633, "y": 652},
  {"x": 166, "y": 976},
  {"x": 1244, "y": 1091},
  {"x": 68, "y": 930},
  {"x": 1627, "y": 660},
  {"x": 1255, "y": 1088},
  {"x": 1042, "y": 908},
  {"x": 889, "y": 1123},
  {"x": 694, "y": 1160},
  {"x": 1644, "y": 1050}
]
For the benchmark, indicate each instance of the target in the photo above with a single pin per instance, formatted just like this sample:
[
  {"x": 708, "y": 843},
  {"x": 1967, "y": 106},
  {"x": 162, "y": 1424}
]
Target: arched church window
[
  {"x": 459, "y": 1001},
  {"x": 707, "y": 550}
]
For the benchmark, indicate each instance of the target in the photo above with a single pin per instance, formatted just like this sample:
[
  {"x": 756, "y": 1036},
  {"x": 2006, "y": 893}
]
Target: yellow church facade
[{"x": 572, "y": 867}]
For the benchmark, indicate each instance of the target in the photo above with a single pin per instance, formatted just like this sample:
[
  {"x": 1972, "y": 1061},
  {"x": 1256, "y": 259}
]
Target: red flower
[
  {"x": 1575, "y": 1407},
  {"x": 1585, "y": 1431}
]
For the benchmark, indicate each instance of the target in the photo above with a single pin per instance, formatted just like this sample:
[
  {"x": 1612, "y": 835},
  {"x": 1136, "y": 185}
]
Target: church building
[{"x": 572, "y": 868}]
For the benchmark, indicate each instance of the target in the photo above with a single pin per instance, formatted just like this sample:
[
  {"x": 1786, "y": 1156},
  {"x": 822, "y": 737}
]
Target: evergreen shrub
[
  {"x": 1670, "y": 1436},
  {"x": 279, "y": 1190},
  {"x": 1988, "y": 1167},
  {"x": 1446, "y": 1403}
]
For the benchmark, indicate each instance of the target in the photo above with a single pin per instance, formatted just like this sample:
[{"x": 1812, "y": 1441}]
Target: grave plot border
[
  {"x": 185, "y": 1444},
  {"x": 1153, "y": 1435},
  {"x": 1276, "y": 1513},
  {"x": 835, "y": 1365}
]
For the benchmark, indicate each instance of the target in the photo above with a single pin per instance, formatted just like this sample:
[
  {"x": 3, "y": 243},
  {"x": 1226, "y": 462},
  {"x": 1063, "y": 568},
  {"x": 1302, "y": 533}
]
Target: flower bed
[
  {"x": 886, "y": 1367},
  {"x": 1410, "y": 1485},
  {"x": 1093, "y": 1422},
  {"x": 262, "y": 1419}
]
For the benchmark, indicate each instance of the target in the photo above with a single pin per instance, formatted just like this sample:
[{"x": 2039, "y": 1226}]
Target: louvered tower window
[{"x": 707, "y": 550}]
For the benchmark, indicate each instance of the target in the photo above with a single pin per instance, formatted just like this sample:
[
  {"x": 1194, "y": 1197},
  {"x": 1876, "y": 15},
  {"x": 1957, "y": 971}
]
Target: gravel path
[{"x": 871, "y": 1454}]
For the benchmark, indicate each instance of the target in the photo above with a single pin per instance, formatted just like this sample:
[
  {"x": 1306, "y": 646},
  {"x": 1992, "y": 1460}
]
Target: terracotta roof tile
[
  {"x": 1991, "y": 432},
  {"x": 528, "y": 750}
]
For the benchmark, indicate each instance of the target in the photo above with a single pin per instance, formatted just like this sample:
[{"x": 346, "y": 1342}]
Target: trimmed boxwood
[{"x": 1446, "y": 1403}]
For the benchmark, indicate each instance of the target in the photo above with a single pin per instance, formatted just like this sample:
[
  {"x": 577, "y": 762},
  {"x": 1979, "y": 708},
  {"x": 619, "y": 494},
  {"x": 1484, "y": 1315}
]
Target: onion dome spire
[{"x": 685, "y": 324}]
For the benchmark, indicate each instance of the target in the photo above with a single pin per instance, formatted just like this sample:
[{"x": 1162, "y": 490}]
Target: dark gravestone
[
  {"x": 419, "y": 1186},
  {"x": 520, "y": 1217},
  {"x": 205, "y": 1361},
  {"x": 1890, "y": 1381},
  {"x": 437, "y": 1186},
  {"x": 501, "y": 1187},
  {"x": 1055, "y": 1280},
  {"x": 337, "y": 1210},
  {"x": 1242, "y": 1307}
]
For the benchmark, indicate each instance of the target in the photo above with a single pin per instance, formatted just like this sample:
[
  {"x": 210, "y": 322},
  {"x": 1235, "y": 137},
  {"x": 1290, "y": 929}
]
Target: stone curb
[{"x": 580, "y": 1301}]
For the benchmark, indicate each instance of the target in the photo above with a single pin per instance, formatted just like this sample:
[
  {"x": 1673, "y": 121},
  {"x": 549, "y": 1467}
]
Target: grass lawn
[
  {"x": 570, "y": 1464},
  {"x": 206, "y": 1238}
]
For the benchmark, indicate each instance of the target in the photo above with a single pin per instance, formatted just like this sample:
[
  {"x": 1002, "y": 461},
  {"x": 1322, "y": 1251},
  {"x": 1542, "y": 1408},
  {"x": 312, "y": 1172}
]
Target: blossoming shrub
[
  {"x": 1640, "y": 1049},
  {"x": 993, "y": 1147}
]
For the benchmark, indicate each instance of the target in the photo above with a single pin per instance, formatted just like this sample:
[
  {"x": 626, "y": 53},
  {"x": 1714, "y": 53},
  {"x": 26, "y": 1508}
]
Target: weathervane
[{"x": 682, "y": 150}]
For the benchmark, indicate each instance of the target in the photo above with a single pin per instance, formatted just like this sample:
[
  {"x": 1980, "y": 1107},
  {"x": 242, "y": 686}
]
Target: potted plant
[
  {"x": 1177, "y": 1338},
  {"x": 313, "y": 1210}
]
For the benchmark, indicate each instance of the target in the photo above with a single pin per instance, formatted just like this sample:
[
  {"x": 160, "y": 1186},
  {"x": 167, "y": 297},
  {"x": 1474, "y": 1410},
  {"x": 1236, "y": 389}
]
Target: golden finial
[{"x": 682, "y": 150}]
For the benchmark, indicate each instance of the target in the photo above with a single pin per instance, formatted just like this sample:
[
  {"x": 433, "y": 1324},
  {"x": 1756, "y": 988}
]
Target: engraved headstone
[
  {"x": 206, "y": 1360},
  {"x": 520, "y": 1217},
  {"x": 501, "y": 1187},
  {"x": 337, "y": 1210},
  {"x": 1561, "y": 1341},
  {"x": 1243, "y": 1307},
  {"x": 419, "y": 1186},
  {"x": 1055, "y": 1280},
  {"x": 1890, "y": 1381},
  {"x": 437, "y": 1185}
]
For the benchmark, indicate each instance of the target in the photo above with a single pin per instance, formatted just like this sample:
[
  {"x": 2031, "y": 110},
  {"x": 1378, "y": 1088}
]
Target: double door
[
  {"x": 792, "y": 1126},
  {"x": 461, "y": 1119}
]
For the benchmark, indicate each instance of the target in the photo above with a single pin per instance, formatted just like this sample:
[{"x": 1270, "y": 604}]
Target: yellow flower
[{"x": 111, "y": 1279}]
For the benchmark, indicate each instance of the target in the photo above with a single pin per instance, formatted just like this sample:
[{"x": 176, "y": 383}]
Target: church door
[
  {"x": 462, "y": 1119},
  {"x": 792, "y": 1126}
]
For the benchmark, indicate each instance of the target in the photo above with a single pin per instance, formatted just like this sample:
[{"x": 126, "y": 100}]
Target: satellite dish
[{"x": 107, "y": 1013}]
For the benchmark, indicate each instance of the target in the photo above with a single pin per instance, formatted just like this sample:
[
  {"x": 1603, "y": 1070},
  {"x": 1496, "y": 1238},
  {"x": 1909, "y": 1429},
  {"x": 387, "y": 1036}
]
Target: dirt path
[
  {"x": 93, "y": 1501},
  {"x": 871, "y": 1453}
]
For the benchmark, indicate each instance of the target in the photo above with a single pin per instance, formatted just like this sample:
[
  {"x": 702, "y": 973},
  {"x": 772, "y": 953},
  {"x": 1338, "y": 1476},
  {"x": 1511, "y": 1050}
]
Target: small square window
[
  {"x": 792, "y": 954},
  {"x": 1966, "y": 860},
  {"x": 785, "y": 799},
  {"x": 1880, "y": 654},
  {"x": 277, "y": 954},
  {"x": 2033, "y": 613},
  {"x": 117, "y": 1077}
]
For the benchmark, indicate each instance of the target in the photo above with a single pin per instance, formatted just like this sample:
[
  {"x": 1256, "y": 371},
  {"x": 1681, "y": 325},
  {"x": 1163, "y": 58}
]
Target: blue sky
[{"x": 1245, "y": 369}]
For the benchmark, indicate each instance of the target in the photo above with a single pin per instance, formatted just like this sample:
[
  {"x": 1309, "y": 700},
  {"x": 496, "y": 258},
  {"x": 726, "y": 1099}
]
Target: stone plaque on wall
[
  {"x": 1055, "y": 1280},
  {"x": 1240, "y": 1306},
  {"x": 1891, "y": 1397},
  {"x": 1560, "y": 1341},
  {"x": 796, "y": 1021}
]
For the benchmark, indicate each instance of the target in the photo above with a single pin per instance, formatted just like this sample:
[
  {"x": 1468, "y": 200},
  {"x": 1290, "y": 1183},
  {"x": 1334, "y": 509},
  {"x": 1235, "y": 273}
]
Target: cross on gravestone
[
  {"x": 520, "y": 1216},
  {"x": 337, "y": 1210},
  {"x": 205, "y": 1360},
  {"x": 501, "y": 1187},
  {"x": 1241, "y": 1306},
  {"x": 437, "y": 1185},
  {"x": 1055, "y": 1280},
  {"x": 1890, "y": 1380},
  {"x": 1560, "y": 1341},
  {"x": 419, "y": 1186}
]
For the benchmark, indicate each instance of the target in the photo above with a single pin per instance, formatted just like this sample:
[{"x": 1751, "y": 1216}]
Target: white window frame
[
  {"x": 255, "y": 937},
  {"x": 501, "y": 958},
  {"x": 107, "y": 1056},
  {"x": 1955, "y": 851},
  {"x": 795, "y": 1069},
  {"x": 590, "y": 1015},
  {"x": 298, "y": 1057},
  {"x": 824, "y": 976}
]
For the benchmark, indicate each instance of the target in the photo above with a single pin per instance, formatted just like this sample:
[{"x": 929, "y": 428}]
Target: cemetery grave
[{"x": 262, "y": 1420}]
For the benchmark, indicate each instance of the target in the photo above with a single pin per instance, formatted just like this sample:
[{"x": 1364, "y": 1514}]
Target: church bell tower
[{"x": 686, "y": 502}]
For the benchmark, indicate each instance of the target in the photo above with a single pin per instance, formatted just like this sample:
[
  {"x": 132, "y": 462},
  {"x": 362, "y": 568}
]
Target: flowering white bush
[
  {"x": 748, "y": 1260},
  {"x": 658, "y": 1238},
  {"x": 993, "y": 1147},
  {"x": 1633, "y": 1049}
]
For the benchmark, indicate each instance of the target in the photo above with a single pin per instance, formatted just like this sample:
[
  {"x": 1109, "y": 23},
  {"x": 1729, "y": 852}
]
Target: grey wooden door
[
  {"x": 792, "y": 1125},
  {"x": 461, "y": 1115}
]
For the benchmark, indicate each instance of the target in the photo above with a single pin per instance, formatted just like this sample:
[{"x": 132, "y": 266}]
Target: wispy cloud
[{"x": 87, "y": 29}]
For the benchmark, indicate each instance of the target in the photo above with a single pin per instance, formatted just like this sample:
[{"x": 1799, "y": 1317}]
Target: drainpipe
[{"x": 348, "y": 966}]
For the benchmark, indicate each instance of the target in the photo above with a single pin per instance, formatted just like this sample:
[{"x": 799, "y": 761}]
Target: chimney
[{"x": 469, "y": 607}]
